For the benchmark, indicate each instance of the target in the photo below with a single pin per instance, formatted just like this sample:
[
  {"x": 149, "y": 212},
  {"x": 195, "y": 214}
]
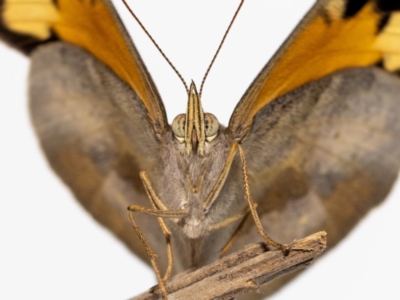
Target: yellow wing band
[
  {"x": 90, "y": 24},
  {"x": 321, "y": 48},
  {"x": 335, "y": 35},
  {"x": 30, "y": 18}
]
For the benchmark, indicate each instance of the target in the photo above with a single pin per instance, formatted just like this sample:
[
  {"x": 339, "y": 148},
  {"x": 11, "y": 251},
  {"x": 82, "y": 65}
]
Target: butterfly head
[{"x": 195, "y": 127}]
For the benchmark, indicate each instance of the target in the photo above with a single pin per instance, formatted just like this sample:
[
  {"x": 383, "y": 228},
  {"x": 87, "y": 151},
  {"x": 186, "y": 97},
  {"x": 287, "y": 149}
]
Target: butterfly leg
[
  {"x": 229, "y": 244},
  {"x": 285, "y": 249},
  {"x": 244, "y": 215},
  {"x": 157, "y": 203},
  {"x": 149, "y": 251},
  {"x": 160, "y": 210},
  {"x": 160, "y": 214},
  {"x": 230, "y": 220},
  {"x": 212, "y": 196}
]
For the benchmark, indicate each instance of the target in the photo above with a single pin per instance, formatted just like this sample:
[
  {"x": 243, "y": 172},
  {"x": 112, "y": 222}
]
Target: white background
[{"x": 51, "y": 249}]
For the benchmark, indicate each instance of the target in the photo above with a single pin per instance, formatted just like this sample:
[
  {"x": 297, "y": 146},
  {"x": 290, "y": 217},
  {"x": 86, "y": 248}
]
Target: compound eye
[
  {"x": 178, "y": 127},
  {"x": 211, "y": 126}
]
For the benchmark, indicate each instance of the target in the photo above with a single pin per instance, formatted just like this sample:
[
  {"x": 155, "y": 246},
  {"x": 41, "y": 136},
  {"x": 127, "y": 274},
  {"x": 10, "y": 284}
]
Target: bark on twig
[{"x": 241, "y": 272}]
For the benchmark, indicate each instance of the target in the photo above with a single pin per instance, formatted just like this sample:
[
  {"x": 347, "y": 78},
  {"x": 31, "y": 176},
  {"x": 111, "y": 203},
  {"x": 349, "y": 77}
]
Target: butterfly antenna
[
  {"x": 220, "y": 46},
  {"x": 155, "y": 44}
]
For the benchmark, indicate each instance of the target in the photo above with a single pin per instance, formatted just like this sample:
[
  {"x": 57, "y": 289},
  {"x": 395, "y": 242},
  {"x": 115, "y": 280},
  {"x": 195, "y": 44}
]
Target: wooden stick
[{"x": 241, "y": 272}]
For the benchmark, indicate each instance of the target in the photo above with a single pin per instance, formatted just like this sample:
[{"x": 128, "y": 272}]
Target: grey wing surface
[
  {"x": 96, "y": 135},
  {"x": 322, "y": 156}
]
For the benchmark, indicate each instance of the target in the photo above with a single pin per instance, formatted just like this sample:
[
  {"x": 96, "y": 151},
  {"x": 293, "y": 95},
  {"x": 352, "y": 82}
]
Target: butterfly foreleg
[
  {"x": 212, "y": 196},
  {"x": 156, "y": 202},
  {"x": 148, "y": 249},
  {"x": 252, "y": 206},
  {"x": 160, "y": 211},
  {"x": 241, "y": 215}
]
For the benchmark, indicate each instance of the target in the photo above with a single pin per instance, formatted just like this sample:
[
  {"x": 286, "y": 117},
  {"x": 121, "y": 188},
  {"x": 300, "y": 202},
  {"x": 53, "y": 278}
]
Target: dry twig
[{"x": 240, "y": 272}]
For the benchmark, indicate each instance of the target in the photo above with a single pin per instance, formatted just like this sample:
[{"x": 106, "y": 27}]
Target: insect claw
[
  {"x": 285, "y": 250},
  {"x": 255, "y": 285}
]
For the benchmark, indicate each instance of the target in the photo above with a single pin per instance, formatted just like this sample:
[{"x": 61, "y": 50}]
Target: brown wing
[
  {"x": 323, "y": 150},
  {"x": 323, "y": 155},
  {"x": 96, "y": 136},
  {"x": 334, "y": 35},
  {"x": 92, "y": 25},
  {"x": 98, "y": 128}
]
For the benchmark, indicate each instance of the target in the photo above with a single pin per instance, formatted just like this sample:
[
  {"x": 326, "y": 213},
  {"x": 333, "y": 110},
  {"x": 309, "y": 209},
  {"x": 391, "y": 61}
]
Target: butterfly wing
[
  {"x": 92, "y": 25},
  {"x": 334, "y": 35},
  {"x": 108, "y": 172},
  {"x": 95, "y": 107},
  {"x": 322, "y": 140}
]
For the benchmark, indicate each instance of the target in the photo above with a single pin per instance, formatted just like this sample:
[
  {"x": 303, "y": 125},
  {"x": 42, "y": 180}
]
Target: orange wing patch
[
  {"x": 94, "y": 26},
  {"x": 335, "y": 35}
]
